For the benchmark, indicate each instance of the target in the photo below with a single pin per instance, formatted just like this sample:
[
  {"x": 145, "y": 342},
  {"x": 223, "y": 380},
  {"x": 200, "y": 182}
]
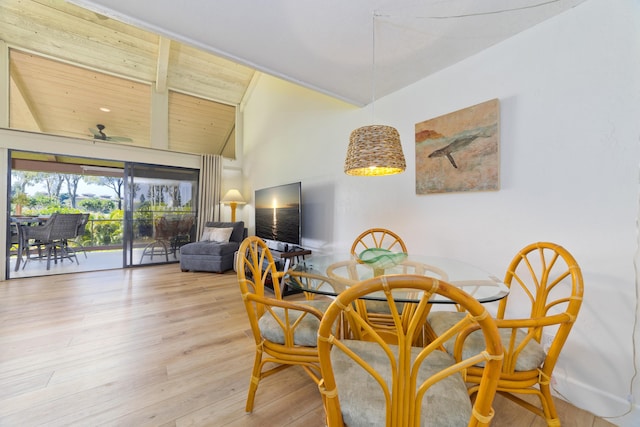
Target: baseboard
[{"x": 615, "y": 409}]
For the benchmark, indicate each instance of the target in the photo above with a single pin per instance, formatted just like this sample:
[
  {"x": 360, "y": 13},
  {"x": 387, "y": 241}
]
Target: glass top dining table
[{"x": 331, "y": 274}]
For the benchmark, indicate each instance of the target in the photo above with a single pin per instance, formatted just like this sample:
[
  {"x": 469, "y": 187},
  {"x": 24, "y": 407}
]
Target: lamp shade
[
  {"x": 233, "y": 196},
  {"x": 373, "y": 151}
]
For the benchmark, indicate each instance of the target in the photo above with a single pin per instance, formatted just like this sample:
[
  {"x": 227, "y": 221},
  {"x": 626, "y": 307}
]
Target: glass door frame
[
  {"x": 169, "y": 212},
  {"x": 80, "y": 165}
]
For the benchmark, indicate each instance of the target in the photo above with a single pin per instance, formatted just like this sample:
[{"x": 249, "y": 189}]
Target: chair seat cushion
[
  {"x": 362, "y": 401},
  {"x": 531, "y": 357},
  {"x": 382, "y": 307},
  {"x": 306, "y": 333}
]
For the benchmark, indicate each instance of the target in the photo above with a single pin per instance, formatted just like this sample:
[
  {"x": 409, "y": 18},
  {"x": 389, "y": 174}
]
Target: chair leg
[
  {"x": 255, "y": 379},
  {"x": 548, "y": 406},
  {"x": 49, "y": 250},
  {"x": 150, "y": 250},
  {"x": 69, "y": 253}
]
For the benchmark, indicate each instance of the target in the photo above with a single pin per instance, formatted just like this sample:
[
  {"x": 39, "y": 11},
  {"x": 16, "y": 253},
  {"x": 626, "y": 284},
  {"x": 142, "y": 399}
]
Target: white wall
[{"x": 569, "y": 92}]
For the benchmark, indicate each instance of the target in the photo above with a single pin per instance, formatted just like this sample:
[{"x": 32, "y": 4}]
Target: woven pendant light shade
[{"x": 373, "y": 151}]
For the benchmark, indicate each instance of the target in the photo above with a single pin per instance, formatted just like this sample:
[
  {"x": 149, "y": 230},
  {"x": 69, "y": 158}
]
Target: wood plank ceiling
[{"x": 66, "y": 63}]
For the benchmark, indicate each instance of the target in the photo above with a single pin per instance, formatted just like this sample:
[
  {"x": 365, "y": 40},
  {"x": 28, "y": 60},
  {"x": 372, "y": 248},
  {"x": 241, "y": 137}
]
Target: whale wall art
[{"x": 459, "y": 151}]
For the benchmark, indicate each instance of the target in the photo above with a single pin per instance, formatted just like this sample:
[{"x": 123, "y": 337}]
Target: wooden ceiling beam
[
  {"x": 22, "y": 98},
  {"x": 162, "y": 69},
  {"x": 4, "y": 84},
  {"x": 227, "y": 139},
  {"x": 73, "y": 62}
]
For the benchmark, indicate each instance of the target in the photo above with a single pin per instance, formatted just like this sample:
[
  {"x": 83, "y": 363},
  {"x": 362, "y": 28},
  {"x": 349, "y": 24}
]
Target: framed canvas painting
[{"x": 459, "y": 151}]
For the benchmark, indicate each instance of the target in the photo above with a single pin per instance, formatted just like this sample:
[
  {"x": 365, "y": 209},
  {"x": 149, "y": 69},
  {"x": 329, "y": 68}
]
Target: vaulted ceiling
[
  {"x": 67, "y": 61},
  {"x": 328, "y": 45}
]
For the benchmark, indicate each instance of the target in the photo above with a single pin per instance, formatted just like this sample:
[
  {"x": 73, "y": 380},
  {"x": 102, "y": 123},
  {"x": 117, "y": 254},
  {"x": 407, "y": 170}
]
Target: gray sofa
[{"x": 213, "y": 256}]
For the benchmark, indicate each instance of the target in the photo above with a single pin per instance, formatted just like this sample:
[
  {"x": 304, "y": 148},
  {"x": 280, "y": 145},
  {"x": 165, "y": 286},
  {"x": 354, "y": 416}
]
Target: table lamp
[{"x": 233, "y": 198}]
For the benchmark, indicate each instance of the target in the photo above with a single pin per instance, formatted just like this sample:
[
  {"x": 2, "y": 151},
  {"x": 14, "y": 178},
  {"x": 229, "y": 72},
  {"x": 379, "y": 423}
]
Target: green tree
[
  {"x": 20, "y": 200},
  {"x": 97, "y": 205},
  {"x": 53, "y": 182},
  {"x": 114, "y": 183},
  {"x": 43, "y": 202},
  {"x": 109, "y": 232},
  {"x": 156, "y": 194},
  {"x": 175, "y": 195},
  {"x": 72, "y": 181},
  {"x": 20, "y": 180}
]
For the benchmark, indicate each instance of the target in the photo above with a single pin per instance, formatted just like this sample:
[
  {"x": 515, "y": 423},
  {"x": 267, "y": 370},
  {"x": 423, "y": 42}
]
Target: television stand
[
  {"x": 285, "y": 258},
  {"x": 283, "y": 261}
]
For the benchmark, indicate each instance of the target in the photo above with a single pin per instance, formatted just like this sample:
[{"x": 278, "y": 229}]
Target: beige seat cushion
[
  {"x": 382, "y": 307},
  {"x": 306, "y": 333},
  {"x": 362, "y": 402},
  {"x": 531, "y": 357}
]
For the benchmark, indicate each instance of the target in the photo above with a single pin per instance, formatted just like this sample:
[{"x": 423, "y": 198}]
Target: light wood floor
[{"x": 152, "y": 346}]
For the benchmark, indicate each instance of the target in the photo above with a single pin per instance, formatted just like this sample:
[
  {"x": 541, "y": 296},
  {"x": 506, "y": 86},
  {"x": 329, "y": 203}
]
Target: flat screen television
[{"x": 278, "y": 213}]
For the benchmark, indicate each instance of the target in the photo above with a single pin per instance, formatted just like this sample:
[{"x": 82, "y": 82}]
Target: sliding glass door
[
  {"x": 160, "y": 212},
  {"x": 138, "y": 213}
]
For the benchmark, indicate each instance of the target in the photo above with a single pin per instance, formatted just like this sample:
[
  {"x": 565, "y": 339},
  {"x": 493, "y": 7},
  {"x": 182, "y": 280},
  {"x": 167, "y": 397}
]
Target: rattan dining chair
[
  {"x": 378, "y": 238},
  {"x": 285, "y": 332},
  {"x": 377, "y": 314},
  {"x": 547, "y": 278},
  {"x": 374, "y": 383}
]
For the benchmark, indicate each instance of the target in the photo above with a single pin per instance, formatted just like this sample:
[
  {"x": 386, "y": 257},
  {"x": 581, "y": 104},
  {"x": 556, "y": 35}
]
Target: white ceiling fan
[{"x": 99, "y": 134}]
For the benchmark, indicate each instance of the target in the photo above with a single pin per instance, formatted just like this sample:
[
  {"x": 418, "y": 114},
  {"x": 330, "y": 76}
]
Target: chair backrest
[
  {"x": 15, "y": 234},
  {"x": 82, "y": 224},
  {"x": 164, "y": 228},
  {"x": 65, "y": 226},
  {"x": 185, "y": 224},
  {"x": 378, "y": 238},
  {"x": 42, "y": 232},
  {"x": 545, "y": 280},
  {"x": 256, "y": 268},
  {"x": 376, "y": 383}
]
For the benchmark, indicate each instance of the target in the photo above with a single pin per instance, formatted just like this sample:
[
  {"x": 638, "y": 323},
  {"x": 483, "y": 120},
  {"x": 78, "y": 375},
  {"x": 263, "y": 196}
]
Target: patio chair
[
  {"x": 182, "y": 233},
  {"x": 64, "y": 228},
  {"x": 164, "y": 230},
  {"x": 76, "y": 241},
  {"x": 51, "y": 237},
  {"x": 36, "y": 236}
]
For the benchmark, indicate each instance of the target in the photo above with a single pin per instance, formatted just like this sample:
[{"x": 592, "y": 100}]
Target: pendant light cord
[{"x": 373, "y": 67}]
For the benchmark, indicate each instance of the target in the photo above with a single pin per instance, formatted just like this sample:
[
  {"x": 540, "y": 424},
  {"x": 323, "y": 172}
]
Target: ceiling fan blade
[
  {"x": 96, "y": 134},
  {"x": 119, "y": 139}
]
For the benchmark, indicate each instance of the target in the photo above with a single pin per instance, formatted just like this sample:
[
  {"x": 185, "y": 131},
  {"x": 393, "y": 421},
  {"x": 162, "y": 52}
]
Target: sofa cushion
[
  {"x": 210, "y": 248},
  {"x": 238, "y": 229},
  {"x": 215, "y": 234}
]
